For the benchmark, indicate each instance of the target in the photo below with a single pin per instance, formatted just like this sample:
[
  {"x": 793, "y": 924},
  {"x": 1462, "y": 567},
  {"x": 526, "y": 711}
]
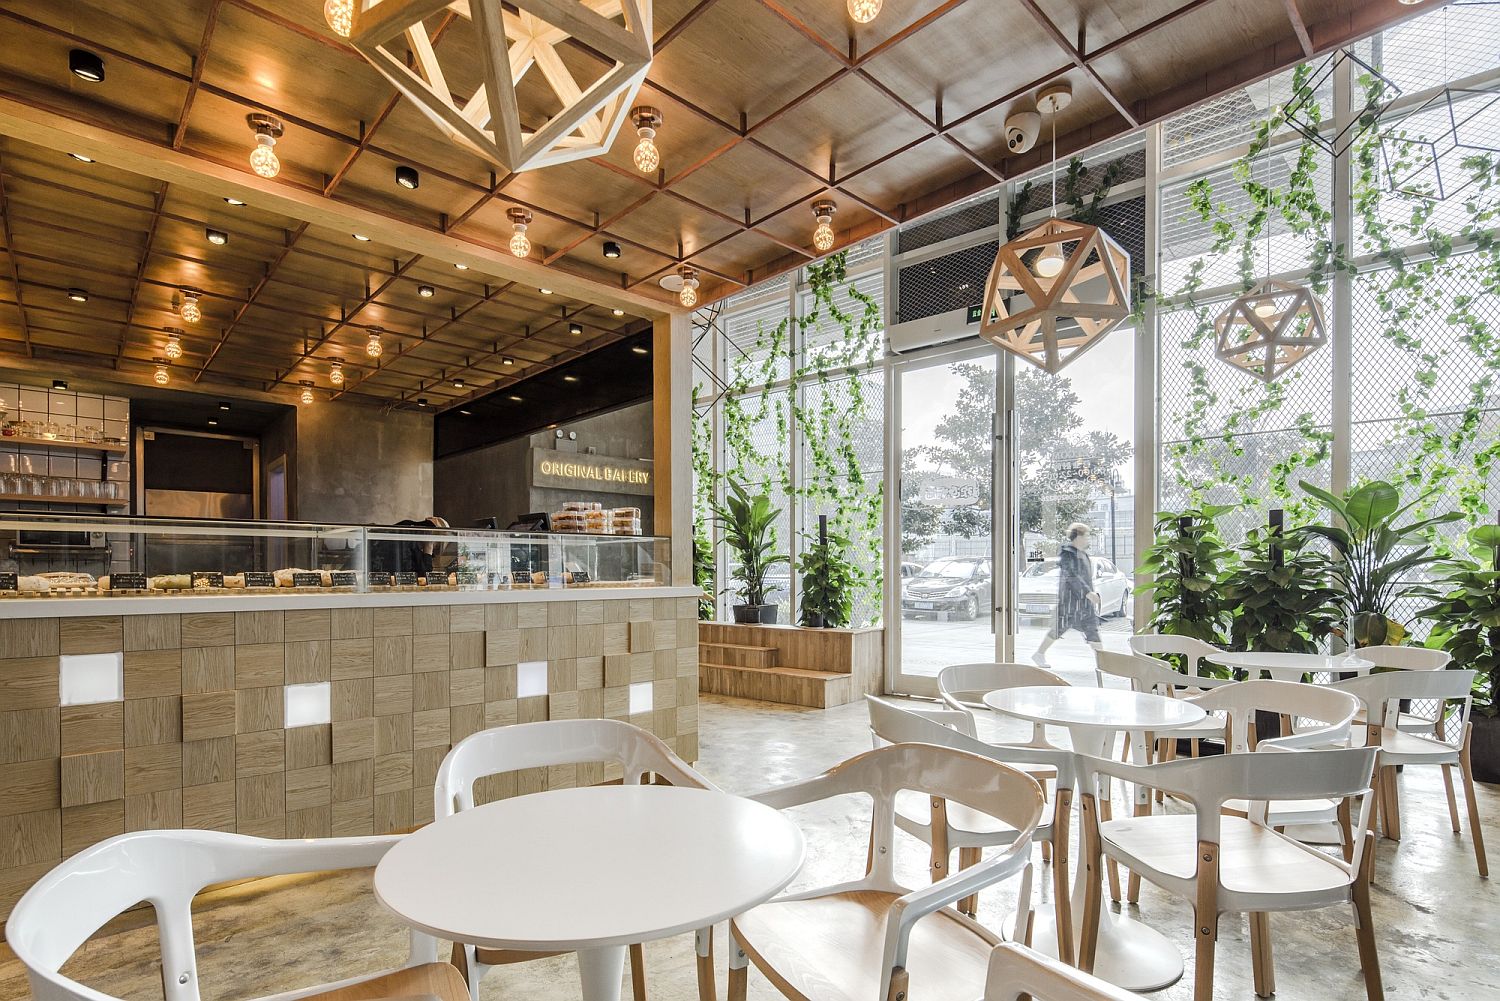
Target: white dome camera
[{"x": 1021, "y": 130}]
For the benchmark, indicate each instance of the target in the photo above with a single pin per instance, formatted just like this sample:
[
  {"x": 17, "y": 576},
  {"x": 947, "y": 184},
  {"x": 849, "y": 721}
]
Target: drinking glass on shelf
[
  {"x": 50, "y": 431},
  {"x": 70, "y": 432},
  {"x": 95, "y": 435}
]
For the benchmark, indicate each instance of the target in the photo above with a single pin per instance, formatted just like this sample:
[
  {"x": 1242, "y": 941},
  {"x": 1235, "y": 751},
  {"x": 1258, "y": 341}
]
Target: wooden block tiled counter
[{"x": 197, "y": 734}]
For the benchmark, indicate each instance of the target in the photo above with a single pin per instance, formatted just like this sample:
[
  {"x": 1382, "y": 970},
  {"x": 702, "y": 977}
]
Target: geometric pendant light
[
  {"x": 512, "y": 39},
  {"x": 1270, "y": 328},
  {"x": 1056, "y": 290}
]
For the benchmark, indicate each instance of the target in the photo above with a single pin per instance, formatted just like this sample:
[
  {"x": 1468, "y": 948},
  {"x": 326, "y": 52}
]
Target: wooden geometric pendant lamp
[
  {"x": 512, "y": 39},
  {"x": 1067, "y": 281},
  {"x": 1270, "y": 328}
]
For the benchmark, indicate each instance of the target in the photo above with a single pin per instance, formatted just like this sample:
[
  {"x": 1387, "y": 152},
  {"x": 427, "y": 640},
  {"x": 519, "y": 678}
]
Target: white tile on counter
[
  {"x": 62, "y": 404},
  {"x": 116, "y": 408},
  {"x": 91, "y": 406}
]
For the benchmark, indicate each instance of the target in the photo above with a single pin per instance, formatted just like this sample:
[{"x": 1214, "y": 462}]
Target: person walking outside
[{"x": 1077, "y": 601}]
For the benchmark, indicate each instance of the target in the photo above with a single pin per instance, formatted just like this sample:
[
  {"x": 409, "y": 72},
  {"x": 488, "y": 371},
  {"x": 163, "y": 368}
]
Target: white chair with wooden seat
[
  {"x": 1226, "y": 864},
  {"x": 1423, "y": 717},
  {"x": 1192, "y": 650},
  {"x": 167, "y": 869},
  {"x": 637, "y": 753},
  {"x": 872, "y": 939},
  {"x": 1150, "y": 676},
  {"x": 964, "y": 686},
  {"x": 1017, "y": 973},
  {"x": 947, "y": 827},
  {"x": 1381, "y": 695}
]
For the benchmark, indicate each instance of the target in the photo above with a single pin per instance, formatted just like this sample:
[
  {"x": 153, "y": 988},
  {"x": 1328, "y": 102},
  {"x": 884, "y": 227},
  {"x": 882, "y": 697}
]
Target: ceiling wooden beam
[
  {"x": 1299, "y": 28},
  {"x": 259, "y": 287},
  {"x": 179, "y": 132},
  {"x": 10, "y": 256},
  {"x": 1073, "y": 53}
]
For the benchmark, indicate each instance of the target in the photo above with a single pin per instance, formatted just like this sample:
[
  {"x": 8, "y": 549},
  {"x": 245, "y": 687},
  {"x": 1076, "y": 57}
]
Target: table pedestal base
[{"x": 601, "y": 971}]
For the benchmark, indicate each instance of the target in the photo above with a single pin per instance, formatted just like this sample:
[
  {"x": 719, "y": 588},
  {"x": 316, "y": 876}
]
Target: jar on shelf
[{"x": 50, "y": 431}]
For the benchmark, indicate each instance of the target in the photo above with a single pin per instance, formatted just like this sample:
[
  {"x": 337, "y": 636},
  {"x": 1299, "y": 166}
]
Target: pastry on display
[{"x": 171, "y": 582}]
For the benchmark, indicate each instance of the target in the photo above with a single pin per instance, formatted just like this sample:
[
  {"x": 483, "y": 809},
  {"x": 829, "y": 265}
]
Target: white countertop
[{"x": 188, "y": 602}]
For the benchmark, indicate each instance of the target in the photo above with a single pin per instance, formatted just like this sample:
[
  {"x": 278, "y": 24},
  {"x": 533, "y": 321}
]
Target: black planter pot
[
  {"x": 1484, "y": 751},
  {"x": 754, "y": 614}
]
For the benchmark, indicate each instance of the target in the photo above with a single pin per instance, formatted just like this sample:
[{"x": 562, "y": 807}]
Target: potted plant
[
  {"x": 1281, "y": 594},
  {"x": 703, "y": 572},
  {"x": 828, "y": 582},
  {"x": 1465, "y": 617},
  {"x": 1374, "y": 554},
  {"x": 1185, "y": 562},
  {"x": 749, "y": 524}
]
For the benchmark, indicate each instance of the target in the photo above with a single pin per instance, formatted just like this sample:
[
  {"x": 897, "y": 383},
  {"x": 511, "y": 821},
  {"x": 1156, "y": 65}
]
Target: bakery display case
[{"x": 63, "y": 556}]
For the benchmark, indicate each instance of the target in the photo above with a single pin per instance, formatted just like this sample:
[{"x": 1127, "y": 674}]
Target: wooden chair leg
[
  {"x": 1062, "y": 888},
  {"x": 1088, "y": 939},
  {"x": 1466, "y": 766},
  {"x": 1452, "y": 800},
  {"x": 967, "y": 857},
  {"x": 1206, "y": 921},
  {"x": 937, "y": 864},
  {"x": 704, "y": 943},
  {"x": 638, "y": 972},
  {"x": 1364, "y": 928},
  {"x": 1346, "y": 829},
  {"x": 1392, "y": 804},
  {"x": 1260, "y": 954},
  {"x": 739, "y": 969},
  {"x": 1107, "y": 812},
  {"x": 1133, "y": 888}
]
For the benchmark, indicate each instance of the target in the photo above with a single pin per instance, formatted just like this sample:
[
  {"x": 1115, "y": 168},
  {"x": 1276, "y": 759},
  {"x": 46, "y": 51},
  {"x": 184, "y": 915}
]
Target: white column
[
  {"x": 1343, "y": 307},
  {"x": 1147, "y": 388}
]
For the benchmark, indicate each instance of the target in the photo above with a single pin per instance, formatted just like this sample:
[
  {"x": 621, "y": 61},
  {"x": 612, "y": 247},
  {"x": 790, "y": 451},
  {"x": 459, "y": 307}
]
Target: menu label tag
[
  {"x": 259, "y": 578},
  {"x": 207, "y": 578},
  {"x": 127, "y": 582},
  {"x": 309, "y": 579},
  {"x": 8, "y": 582},
  {"x": 343, "y": 578},
  {"x": 435, "y": 579},
  {"x": 466, "y": 577},
  {"x": 580, "y": 576},
  {"x": 380, "y": 578},
  {"x": 406, "y": 579}
]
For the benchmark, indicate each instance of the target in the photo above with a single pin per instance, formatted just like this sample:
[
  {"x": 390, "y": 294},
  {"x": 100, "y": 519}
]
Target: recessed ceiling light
[
  {"x": 234, "y": 201},
  {"x": 59, "y": 384},
  {"x": 217, "y": 237},
  {"x": 408, "y": 177},
  {"x": 545, "y": 291},
  {"x": 421, "y": 401},
  {"x": 618, "y": 312},
  {"x": 570, "y": 378},
  {"x": 513, "y": 398},
  {"x": 426, "y": 291},
  {"x": 640, "y": 350},
  {"x": 361, "y": 237},
  {"x": 461, "y": 267},
  {"x": 507, "y": 361},
  {"x": 467, "y": 413},
  {"x": 213, "y": 422},
  {"x": 86, "y": 66},
  {"x": 458, "y": 383},
  {"x": 575, "y": 329},
  {"x": 78, "y": 295},
  {"x": 80, "y": 157},
  {"x": 223, "y": 404},
  {"x": 611, "y": 249}
]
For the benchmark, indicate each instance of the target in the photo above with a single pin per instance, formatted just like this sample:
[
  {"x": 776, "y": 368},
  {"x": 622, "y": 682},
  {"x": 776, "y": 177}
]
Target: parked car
[
  {"x": 1037, "y": 595},
  {"x": 961, "y": 586}
]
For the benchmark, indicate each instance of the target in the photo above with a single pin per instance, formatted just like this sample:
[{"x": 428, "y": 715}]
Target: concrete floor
[{"x": 1436, "y": 922}]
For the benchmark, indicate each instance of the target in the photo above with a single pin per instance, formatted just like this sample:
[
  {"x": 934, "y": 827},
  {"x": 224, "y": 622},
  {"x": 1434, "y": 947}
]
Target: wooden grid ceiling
[{"x": 768, "y": 106}]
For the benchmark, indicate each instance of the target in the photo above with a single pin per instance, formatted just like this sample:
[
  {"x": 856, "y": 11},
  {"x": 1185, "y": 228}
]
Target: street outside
[{"x": 929, "y": 645}]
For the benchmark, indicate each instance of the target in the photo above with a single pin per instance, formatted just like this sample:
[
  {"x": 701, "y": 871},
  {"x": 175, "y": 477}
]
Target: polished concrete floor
[{"x": 1437, "y": 922}]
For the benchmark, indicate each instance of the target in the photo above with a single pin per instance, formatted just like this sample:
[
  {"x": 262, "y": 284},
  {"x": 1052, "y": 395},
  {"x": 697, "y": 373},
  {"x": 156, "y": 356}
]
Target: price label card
[
  {"x": 127, "y": 582},
  {"x": 380, "y": 578},
  {"x": 8, "y": 582},
  {"x": 580, "y": 576},
  {"x": 467, "y": 578},
  {"x": 343, "y": 578},
  {"x": 406, "y": 579},
  {"x": 207, "y": 578},
  {"x": 259, "y": 578},
  {"x": 309, "y": 579},
  {"x": 435, "y": 579}
]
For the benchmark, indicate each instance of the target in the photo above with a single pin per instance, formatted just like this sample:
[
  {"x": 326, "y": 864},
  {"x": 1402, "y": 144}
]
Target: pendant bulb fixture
[
  {"x": 336, "y": 372},
  {"x": 263, "y": 159},
  {"x": 823, "y": 237},
  {"x": 191, "y": 311},
  {"x": 646, "y": 120},
  {"x": 1049, "y": 263},
  {"x": 307, "y": 391},
  {"x": 520, "y": 218},
  {"x": 372, "y": 346},
  {"x": 1052, "y": 99},
  {"x": 162, "y": 376},
  {"x": 340, "y": 16},
  {"x": 689, "y": 294},
  {"x": 173, "y": 349},
  {"x": 864, "y": 11}
]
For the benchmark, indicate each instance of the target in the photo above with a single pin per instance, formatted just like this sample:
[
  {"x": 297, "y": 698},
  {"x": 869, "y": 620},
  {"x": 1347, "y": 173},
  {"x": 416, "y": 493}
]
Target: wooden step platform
[
  {"x": 789, "y": 685},
  {"x": 738, "y": 654},
  {"x": 790, "y": 664}
]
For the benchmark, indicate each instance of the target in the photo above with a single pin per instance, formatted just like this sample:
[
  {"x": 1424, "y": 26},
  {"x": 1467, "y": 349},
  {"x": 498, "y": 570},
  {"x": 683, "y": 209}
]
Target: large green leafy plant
[
  {"x": 1465, "y": 614},
  {"x": 749, "y": 525},
  {"x": 1281, "y": 595},
  {"x": 1185, "y": 561},
  {"x": 1375, "y": 554},
  {"x": 828, "y": 582},
  {"x": 704, "y": 572}
]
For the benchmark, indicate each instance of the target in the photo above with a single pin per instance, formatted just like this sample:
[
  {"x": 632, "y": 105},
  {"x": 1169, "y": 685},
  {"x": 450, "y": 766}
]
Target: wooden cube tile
[
  {"x": 617, "y": 610},
  {"x": 392, "y": 734},
  {"x": 392, "y": 695},
  {"x": 303, "y": 624},
  {"x": 562, "y": 613},
  {"x": 353, "y": 740},
  {"x": 466, "y": 618},
  {"x": 531, "y": 780},
  {"x": 664, "y": 608},
  {"x": 421, "y": 808},
  {"x": 83, "y": 826},
  {"x": 430, "y": 691},
  {"x": 149, "y": 673},
  {"x": 258, "y": 709},
  {"x": 430, "y": 619},
  {"x": 15, "y": 882},
  {"x": 152, "y": 768},
  {"x": 259, "y": 753},
  {"x": 466, "y": 650},
  {"x": 494, "y": 787},
  {"x": 29, "y": 786},
  {"x": 616, "y": 638},
  {"x": 531, "y": 710},
  {"x": 259, "y": 797},
  {"x": 562, "y": 776},
  {"x": 432, "y": 652},
  {"x": 353, "y": 819},
  {"x": 259, "y": 665},
  {"x": 259, "y": 627},
  {"x": 392, "y": 772},
  {"x": 429, "y": 729},
  {"x": 534, "y": 644},
  {"x": 664, "y": 723},
  {"x": 308, "y": 661},
  {"x": 465, "y": 687},
  {"x": 153, "y": 721},
  {"x": 665, "y": 634},
  {"x": 154, "y": 811},
  {"x": 642, "y": 637},
  {"x": 91, "y": 634},
  {"x": 308, "y": 787},
  {"x": 392, "y": 655},
  {"x": 617, "y": 669},
  {"x": 206, "y": 762},
  {"x": 591, "y": 703},
  {"x": 589, "y": 640},
  {"x": 502, "y": 646},
  {"x": 687, "y": 691},
  {"x": 353, "y": 658},
  {"x": 92, "y": 778},
  {"x": 99, "y": 726},
  {"x": 29, "y": 637},
  {"x": 307, "y": 746},
  {"x": 353, "y": 780},
  {"x": 393, "y": 812},
  {"x": 314, "y": 822},
  {"x": 590, "y": 671},
  {"x": 353, "y": 623},
  {"x": 562, "y": 642},
  {"x": 563, "y": 705},
  {"x": 204, "y": 629},
  {"x": 425, "y": 762},
  {"x": 590, "y": 773},
  {"x": 393, "y": 621},
  {"x": 616, "y": 702},
  {"x": 26, "y": 838},
  {"x": 502, "y": 713},
  {"x": 209, "y": 807},
  {"x": 642, "y": 667},
  {"x": 210, "y": 714},
  {"x": 465, "y": 720},
  {"x": 352, "y": 699},
  {"x": 500, "y": 683},
  {"x": 687, "y": 608},
  {"x": 687, "y": 719},
  {"x": 207, "y": 668},
  {"x": 590, "y": 612},
  {"x": 500, "y": 617},
  {"x": 664, "y": 665},
  {"x": 264, "y": 827},
  {"x": 562, "y": 676},
  {"x": 532, "y": 615},
  {"x": 28, "y": 734},
  {"x": 152, "y": 632},
  {"x": 686, "y": 746},
  {"x": 29, "y": 682},
  {"x": 641, "y": 610},
  {"x": 687, "y": 662}
]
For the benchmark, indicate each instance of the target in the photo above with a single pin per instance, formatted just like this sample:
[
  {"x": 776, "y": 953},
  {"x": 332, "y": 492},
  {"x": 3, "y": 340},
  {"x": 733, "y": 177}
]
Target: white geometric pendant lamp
[
  {"x": 512, "y": 39},
  {"x": 1071, "y": 279},
  {"x": 1270, "y": 328}
]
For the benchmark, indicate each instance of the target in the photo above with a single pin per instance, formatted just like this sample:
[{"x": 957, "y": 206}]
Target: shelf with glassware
[{"x": 29, "y": 488}]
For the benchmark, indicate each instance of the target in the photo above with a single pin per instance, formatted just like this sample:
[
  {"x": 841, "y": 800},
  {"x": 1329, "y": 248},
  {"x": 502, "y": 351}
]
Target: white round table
[
  {"x": 1292, "y": 666},
  {"x": 1130, "y": 954},
  {"x": 590, "y": 870}
]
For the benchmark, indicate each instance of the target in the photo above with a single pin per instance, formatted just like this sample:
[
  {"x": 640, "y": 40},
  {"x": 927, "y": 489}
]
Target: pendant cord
[{"x": 1053, "y": 116}]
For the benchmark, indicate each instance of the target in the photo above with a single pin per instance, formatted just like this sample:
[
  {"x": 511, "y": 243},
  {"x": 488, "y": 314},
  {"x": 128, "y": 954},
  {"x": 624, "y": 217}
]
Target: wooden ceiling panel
[
  {"x": 217, "y": 130},
  {"x": 656, "y": 225},
  {"x": 1096, "y": 25},
  {"x": 846, "y": 125},
  {"x": 547, "y": 232},
  {"x": 579, "y": 189},
  {"x": 886, "y": 183},
  {"x": 985, "y": 133},
  {"x": 746, "y": 178},
  {"x": 633, "y": 260}
]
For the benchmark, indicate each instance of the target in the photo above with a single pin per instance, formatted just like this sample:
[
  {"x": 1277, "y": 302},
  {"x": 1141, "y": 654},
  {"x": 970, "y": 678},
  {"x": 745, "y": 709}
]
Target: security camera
[{"x": 1021, "y": 130}]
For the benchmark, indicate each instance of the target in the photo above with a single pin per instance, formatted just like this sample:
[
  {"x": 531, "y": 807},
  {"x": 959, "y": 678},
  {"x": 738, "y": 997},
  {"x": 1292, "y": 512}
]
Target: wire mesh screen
[
  {"x": 952, "y": 281},
  {"x": 967, "y": 217},
  {"x": 825, "y": 341},
  {"x": 1451, "y": 43},
  {"x": 749, "y": 340},
  {"x": 1122, "y": 164},
  {"x": 1228, "y": 120},
  {"x": 1126, "y": 223}
]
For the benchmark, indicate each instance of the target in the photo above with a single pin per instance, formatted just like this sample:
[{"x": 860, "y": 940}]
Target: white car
[{"x": 1037, "y": 594}]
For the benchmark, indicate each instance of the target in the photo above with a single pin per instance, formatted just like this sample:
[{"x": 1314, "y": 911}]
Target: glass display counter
[{"x": 61, "y": 556}]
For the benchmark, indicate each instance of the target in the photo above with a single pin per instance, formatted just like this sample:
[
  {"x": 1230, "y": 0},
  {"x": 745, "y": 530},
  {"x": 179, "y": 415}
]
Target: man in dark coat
[{"x": 1077, "y": 601}]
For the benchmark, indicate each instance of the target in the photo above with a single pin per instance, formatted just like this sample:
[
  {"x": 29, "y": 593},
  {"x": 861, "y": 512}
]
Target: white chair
[
  {"x": 1381, "y": 695},
  {"x": 1225, "y": 864},
  {"x": 945, "y": 827},
  {"x": 1017, "y": 973},
  {"x": 964, "y": 686},
  {"x": 166, "y": 869},
  {"x": 1423, "y": 716},
  {"x": 1150, "y": 676},
  {"x": 1193, "y": 651},
  {"x": 542, "y": 745},
  {"x": 872, "y": 939}
]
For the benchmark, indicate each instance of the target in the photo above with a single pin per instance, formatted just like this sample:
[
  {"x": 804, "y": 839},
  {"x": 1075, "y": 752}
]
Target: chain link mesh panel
[
  {"x": 952, "y": 281},
  {"x": 1230, "y": 119},
  {"x": 971, "y": 216}
]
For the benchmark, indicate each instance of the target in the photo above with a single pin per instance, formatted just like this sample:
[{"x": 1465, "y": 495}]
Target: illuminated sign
[{"x": 570, "y": 471}]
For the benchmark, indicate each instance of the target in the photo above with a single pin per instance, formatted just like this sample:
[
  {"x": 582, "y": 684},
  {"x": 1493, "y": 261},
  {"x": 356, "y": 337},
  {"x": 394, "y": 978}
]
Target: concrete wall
[
  {"x": 496, "y": 481},
  {"x": 358, "y": 465}
]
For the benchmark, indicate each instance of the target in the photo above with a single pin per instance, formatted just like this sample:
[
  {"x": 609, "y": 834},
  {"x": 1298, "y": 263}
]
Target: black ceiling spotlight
[
  {"x": 408, "y": 177},
  {"x": 611, "y": 249},
  {"x": 59, "y": 384},
  {"x": 217, "y": 237},
  {"x": 223, "y": 404},
  {"x": 234, "y": 201},
  {"x": 78, "y": 295},
  {"x": 575, "y": 329},
  {"x": 507, "y": 362},
  {"x": 458, "y": 383},
  {"x": 421, "y": 401},
  {"x": 426, "y": 291},
  {"x": 85, "y": 65}
]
